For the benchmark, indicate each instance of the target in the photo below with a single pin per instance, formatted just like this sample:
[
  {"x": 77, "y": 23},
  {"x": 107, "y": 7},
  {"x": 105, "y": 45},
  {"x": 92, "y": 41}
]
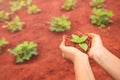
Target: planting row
[{"x": 100, "y": 16}]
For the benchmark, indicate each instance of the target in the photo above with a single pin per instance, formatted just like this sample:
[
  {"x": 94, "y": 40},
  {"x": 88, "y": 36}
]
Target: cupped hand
[
  {"x": 96, "y": 46},
  {"x": 71, "y": 53}
]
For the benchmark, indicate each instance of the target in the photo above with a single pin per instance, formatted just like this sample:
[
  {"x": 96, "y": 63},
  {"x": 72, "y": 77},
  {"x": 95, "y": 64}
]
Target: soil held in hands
[{"x": 68, "y": 41}]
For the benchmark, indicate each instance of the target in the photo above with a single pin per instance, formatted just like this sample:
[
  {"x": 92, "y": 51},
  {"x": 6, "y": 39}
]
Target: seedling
[
  {"x": 97, "y": 3},
  {"x": 80, "y": 41},
  {"x": 60, "y": 24},
  {"x": 33, "y": 9},
  {"x": 3, "y": 42},
  {"x": 101, "y": 17},
  {"x": 17, "y": 5},
  {"x": 4, "y": 15},
  {"x": 24, "y": 51},
  {"x": 14, "y": 25},
  {"x": 69, "y": 5},
  {"x": 28, "y": 2}
]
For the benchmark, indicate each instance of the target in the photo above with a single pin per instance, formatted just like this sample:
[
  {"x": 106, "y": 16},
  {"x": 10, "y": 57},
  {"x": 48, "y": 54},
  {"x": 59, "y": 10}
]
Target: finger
[
  {"x": 92, "y": 35},
  {"x": 64, "y": 38},
  {"x": 95, "y": 37},
  {"x": 62, "y": 45},
  {"x": 90, "y": 52},
  {"x": 63, "y": 42}
]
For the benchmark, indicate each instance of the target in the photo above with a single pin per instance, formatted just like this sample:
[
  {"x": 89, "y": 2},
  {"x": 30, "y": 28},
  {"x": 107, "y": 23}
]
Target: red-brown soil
[
  {"x": 68, "y": 41},
  {"x": 49, "y": 64}
]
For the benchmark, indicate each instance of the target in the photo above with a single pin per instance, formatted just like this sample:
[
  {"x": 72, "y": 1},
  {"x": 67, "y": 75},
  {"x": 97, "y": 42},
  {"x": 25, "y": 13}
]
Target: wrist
[
  {"x": 99, "y": 53},
  {"x": 81, "y": 58}
]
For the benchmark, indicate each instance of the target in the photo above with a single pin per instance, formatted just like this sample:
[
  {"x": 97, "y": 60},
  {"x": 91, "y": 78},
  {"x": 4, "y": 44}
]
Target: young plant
[
  {"x": 3, "y": 42},
  {"x": 101, "y": 17},
  {"x": 4, "y": 15},
  {"x": 33, "y": 9},
  {"x": 60, "y": 24},
  {"x": 17, "y": 5},
  {"x": 28, "y": 2},
  {"x": 24, "y": 51},
  {"x": 69, "y": 5},
  {"x": 14, "y": 25},
  {"x": 80, "y": 41},
  {"x": 97, "y": 3}
]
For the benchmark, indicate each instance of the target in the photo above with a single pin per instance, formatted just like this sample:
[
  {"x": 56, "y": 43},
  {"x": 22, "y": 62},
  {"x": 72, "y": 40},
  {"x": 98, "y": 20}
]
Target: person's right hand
[{"x": 96, "y": 46}]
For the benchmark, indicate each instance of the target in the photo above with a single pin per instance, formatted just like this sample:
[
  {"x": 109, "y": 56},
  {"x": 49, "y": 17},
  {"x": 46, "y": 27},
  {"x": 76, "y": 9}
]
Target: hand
[
  {"x": 71, "y": 53},
  {"x": 96, "y": 46}
]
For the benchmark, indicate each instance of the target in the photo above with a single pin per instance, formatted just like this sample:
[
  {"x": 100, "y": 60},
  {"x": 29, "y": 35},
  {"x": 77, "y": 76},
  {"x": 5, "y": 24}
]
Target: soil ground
[{"x": 49, "y": 64}]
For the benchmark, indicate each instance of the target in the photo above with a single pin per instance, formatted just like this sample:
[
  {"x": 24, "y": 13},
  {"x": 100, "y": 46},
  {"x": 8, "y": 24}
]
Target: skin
[
  {"x": 98, "y": 52},
  {"x": 104, "y": 57},
  {"x": 80, "y": 60}
]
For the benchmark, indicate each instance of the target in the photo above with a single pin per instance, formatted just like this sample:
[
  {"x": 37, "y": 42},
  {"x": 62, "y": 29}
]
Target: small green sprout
[
  {"x": 28, "y": 2},
  {"x": 60, "y": 24},
  {"x": 4, "y": 16},
  {"x": 17, "y": 5},
  {"x": 101, "y": 17},
  {"x": 97, "y": 3},
  {"x": 69, "y": 5},
  {"x": 80, "y": 41},
  {"x": 33, "y": 9},
  {"x": 14, "y": 25},
  {"x": 24, "y": 51},
  {"x": 3, "y": 42}
]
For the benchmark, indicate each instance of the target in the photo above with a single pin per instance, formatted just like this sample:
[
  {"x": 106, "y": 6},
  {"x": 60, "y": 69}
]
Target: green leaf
[
  {"x": 94, "y": 21},
  {"x": 18, "y": 60},
  {"x": 83, "y": 38},
  {"x": 84, "y": 46},
  {"x": 3, "y": 42},
  {"x": 4, "y": 16},
  {"x": 110, "y": 13},
  {"x": 97, "y": 3},
  {"x": 75, "y": 38}
]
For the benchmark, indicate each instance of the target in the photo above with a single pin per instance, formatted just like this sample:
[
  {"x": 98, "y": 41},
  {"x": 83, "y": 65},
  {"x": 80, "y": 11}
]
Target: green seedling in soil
[
  {"x": 69, "y": 5},
  {"x": 3, "y": 42},
  {"x": 101, "y": 17},
  {"x": 28, "y": 2},
  {"x": 4, "y": 16},
  {"x": 60, "y": 24},
  {"x": 14, "y": 25},
  {"x": 33, "y": 9},
  {"x": 17, "y": 5},
  {"x": 80, "y": 41},
  {"x": 24, "y": 51},
  {"x": 97, "y": 3}
]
